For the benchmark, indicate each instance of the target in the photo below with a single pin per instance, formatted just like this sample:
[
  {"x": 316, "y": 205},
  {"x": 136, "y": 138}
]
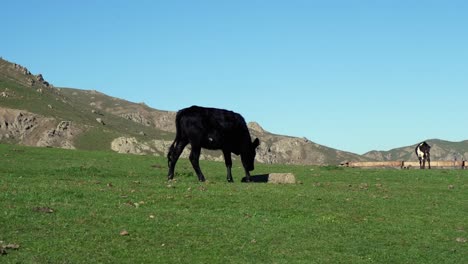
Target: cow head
[{"x": 248, "y": 157}]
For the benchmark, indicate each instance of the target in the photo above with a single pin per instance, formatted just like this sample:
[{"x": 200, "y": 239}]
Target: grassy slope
[
  {"x": 82, "y": 98},
  {"x": 66, "y": 106},
  {"x": 334, "y": 216}
]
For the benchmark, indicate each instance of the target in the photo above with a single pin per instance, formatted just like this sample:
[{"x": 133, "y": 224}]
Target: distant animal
[
  {"x": 214, "y": 129},
  {"x": 422, "y": 151}
]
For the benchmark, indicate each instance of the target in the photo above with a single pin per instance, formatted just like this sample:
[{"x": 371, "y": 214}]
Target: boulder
[
  {"x": 283, "y": 178},
  {"x": 278, "y": 178}
]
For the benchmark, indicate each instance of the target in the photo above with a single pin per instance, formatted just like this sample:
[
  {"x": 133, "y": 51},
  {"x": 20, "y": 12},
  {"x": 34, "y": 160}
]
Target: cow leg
[
  {"x": 429, "y": 161},
  {"x": 174, "y": 153},
  {"x": 420, "y": 163},
  {"x": 247, "y": 176},
  {"x": 195, "y": 160},
  {"x": 228, "y": 162}
]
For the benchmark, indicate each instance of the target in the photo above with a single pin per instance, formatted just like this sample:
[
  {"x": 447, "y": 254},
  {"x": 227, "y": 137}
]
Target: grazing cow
[
  {"x": 212, "y": 128},
  {"x": 422, "y": 151}
]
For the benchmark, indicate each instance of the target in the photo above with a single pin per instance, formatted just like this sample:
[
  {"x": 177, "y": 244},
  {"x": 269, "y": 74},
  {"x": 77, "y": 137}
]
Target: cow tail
[
  {"x": 171, "y": 148},
  {"x": 169, "y": 154}
]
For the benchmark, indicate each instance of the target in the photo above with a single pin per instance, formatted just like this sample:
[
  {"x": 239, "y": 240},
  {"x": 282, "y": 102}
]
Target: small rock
[
  {"x": 12, "y": 246},
  {"x": 124, "y": 233},
  {"x": 47, "y": 210},
  {"x": 364, "y": 186},
  {"x": 100, "y": 121}
]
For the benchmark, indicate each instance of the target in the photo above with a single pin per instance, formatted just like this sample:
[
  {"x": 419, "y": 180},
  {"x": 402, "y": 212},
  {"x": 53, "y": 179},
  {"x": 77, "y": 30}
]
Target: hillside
[
  {"x": 440, "y": 150},
  {"x": 33, "y": 112}
]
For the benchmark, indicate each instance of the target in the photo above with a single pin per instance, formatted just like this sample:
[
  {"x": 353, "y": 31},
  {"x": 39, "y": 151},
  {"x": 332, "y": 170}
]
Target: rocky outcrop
[
  {"x": 273, "y": 149},
  {"x": 284, "y": 151},
  {"x": 131, "y": 145},
  {"x": 164, "y": 120},
  {"x": 32, "y": 79},
  {"x": 16, "y": 124},
  {"x": 40, "y": 80},
  {"x": 61, "y": 136},
  {"x": 255, "y": 127},
  {"x": 289, "y": 150},
  {"x": 21, "y": 69},
  {"x": 277, "y": 149},
  {"x": 136, "y": 117}
]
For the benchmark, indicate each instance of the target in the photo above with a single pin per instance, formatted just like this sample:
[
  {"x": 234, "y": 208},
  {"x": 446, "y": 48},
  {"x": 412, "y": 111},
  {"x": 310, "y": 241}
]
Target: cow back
[{"x": 213, "y": 128}]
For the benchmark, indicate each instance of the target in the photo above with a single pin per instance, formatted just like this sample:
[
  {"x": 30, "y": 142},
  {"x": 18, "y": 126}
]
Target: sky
[{"x": 355, "y": 75}]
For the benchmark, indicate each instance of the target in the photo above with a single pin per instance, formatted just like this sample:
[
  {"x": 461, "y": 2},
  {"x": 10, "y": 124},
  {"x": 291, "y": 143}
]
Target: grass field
[{"x": 64, "y": 206}]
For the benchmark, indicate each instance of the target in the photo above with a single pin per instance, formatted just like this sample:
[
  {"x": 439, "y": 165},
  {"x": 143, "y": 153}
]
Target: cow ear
[{"x": 256, "y": 143}]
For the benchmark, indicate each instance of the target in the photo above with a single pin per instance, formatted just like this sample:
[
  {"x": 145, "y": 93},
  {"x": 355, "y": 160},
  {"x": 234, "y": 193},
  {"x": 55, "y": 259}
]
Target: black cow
[
  {"x": 212, "y": 128},
  {"x": 422, "y": 151}
]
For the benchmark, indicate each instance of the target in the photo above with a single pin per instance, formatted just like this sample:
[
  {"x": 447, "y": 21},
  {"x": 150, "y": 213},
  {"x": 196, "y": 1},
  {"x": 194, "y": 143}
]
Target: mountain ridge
[
  {"x": 34, "y": 112},
  {"x": 440, "y": 150}
]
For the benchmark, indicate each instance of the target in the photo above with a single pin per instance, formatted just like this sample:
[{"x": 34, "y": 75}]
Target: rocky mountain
[
  {"x": 34, "y": 112},
  {"x": 440, "y": 150}
]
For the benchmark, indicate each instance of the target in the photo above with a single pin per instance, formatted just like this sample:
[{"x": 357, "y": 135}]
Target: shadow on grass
[{"x": 258, "y": 178}]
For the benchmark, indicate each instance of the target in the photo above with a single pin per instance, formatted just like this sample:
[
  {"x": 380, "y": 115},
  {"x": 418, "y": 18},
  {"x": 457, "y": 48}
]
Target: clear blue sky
[{"x": 354, "y": 75}]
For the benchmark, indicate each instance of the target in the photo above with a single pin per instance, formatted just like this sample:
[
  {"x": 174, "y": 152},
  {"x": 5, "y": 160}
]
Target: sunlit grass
[{"x": 333, "y": 215}]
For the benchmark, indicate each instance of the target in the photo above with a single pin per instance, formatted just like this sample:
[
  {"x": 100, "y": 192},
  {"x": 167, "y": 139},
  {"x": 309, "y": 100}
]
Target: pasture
[{"x": 67, "y": 206}]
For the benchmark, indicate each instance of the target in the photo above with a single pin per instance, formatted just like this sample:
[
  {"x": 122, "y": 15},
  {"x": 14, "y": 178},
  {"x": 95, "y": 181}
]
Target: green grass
[
  {"x": 334, "y": 215},
  {"x": 95, "y": 139}
]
